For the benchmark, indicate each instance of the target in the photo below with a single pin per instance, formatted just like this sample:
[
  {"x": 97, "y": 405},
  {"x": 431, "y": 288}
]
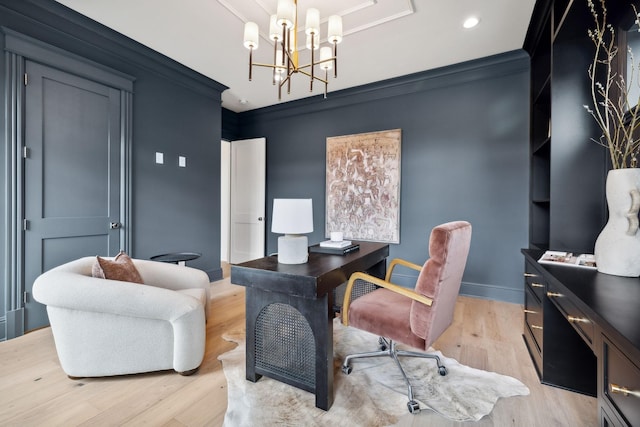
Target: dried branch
[{"x": 618, "y": 119}]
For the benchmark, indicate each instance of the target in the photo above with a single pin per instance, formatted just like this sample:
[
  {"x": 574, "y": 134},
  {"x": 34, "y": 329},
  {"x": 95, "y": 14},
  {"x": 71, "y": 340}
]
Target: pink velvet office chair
[{"x": 417, "y": 317}]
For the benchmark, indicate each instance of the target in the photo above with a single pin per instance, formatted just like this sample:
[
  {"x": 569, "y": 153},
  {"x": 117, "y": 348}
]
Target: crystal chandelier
[{"x": 283, "y": 31}]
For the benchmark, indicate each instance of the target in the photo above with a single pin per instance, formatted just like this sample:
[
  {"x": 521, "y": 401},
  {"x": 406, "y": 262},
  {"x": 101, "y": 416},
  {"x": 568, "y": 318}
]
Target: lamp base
[{"x": 293, "y": 249}]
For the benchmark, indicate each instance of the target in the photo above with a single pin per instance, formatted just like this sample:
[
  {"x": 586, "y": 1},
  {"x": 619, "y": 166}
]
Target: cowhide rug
[{"x": 374, "y": 394}]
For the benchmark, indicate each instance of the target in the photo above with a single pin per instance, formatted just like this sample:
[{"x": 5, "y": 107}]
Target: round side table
[{"x": 179, "y": 258}]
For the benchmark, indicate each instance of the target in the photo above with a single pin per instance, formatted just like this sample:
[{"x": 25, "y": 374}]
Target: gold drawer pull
[
  {"x": 530, "y": 275},
  {"x": 554, "y": 294},
  {"x": 536, "y": 327},
  {"x": 530, "y": 311},
  {"x": 623, "y": 390},
  {"x": 537, "y": 285},
  {"x": 574, "y": 319}
]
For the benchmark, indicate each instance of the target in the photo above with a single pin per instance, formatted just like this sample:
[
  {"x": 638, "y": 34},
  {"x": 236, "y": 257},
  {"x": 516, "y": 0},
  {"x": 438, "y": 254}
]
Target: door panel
[
  {"x": 248, "y": 159},
  {"x": 72, "y": 174},
  {"x": 57, "y": 251},
  {"x": 75, "y": 144}
]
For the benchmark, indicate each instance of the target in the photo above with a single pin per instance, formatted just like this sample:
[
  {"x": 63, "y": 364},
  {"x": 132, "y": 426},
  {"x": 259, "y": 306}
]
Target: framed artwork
[{"x": 363, "y": 186}]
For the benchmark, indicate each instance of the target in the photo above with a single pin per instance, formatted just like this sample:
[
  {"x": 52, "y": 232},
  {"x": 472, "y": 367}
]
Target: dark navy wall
[
  {"x": 176, "y": 209},
  {"x": 464, "y": 156},
  {"x": 175, "y": 110},
  {"x": 230, "y": 125}
]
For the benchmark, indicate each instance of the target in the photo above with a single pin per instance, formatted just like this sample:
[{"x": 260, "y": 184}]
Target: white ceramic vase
[{"x": 617, "y": 248}]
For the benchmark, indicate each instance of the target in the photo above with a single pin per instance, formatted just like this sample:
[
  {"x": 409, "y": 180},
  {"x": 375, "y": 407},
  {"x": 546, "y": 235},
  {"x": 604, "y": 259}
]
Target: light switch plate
[
  {"x": 182, "y": 161},
  {"x": 159, "y": 158}
]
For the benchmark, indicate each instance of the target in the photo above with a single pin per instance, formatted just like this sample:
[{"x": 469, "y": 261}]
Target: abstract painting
[{"x": 363, "y": 186}]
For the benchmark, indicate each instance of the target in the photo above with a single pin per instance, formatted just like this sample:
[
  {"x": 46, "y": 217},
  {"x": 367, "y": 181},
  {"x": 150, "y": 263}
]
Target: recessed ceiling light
[
  {"x": 243, "y": 101},
  {"x": 471, "y": 22}
]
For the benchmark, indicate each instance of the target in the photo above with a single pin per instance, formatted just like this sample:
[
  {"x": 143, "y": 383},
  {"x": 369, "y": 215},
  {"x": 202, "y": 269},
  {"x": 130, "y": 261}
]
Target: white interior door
[{"x": 247, "y": 230}]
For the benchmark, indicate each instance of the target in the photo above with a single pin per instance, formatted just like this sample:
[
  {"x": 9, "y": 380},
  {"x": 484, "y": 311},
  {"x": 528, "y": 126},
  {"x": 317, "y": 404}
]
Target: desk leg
[
  {"x": 321, "y": 321},
  {"x": 250, "y": 350},
  {"x": 319, "y": 317},
  {"x": 379, "y": 270}
]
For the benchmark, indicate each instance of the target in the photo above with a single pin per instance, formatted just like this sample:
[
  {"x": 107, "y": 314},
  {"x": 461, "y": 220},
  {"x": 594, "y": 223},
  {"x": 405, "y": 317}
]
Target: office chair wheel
[
  {"x": 346, "y": 369},
  {"x": 413, "y": 406},
  {"x": 382, "y": 344},
  {"x": 442, "y": 370}
]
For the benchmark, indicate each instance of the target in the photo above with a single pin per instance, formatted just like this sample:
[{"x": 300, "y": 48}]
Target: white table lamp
[{"x": 293, "y": 218}]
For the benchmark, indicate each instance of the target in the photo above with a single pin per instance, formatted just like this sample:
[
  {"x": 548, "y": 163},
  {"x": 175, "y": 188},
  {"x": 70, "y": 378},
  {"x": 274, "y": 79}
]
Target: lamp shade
[
  {"x": 313, "y": 21},
  {"x": 279, "y": 70},
  {"x": 286, "y": 13},
  {"x": 275, "y": 31},
  {"x": 293, "y": 37},
  {"x": 292, "y": 216},
  {"x": 325, "y": 55},
  {"x": 334, "y": 33},
  {"x": 251, "y": 35}
]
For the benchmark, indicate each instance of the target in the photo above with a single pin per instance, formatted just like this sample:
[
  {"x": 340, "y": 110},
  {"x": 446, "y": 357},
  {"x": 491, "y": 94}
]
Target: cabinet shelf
[
  {"x": 540, "y": 131},
  {"x": 541, "y": 147},
  {"x": 543, "y": 94},
  {"x": 542, "y": 246},
  {"x": 560, "y": 11}
]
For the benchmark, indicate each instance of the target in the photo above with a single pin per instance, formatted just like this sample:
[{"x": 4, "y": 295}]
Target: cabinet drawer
[
  {"x": 533, "y": 317},
  {"x": 573, "y": 314},
  {"x": 621, "y": 383},
  {"x": 534, "y": 281}
]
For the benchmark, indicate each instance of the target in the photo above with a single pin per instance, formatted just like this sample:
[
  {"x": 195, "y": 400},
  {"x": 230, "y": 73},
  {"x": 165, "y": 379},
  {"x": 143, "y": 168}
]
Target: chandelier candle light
[{"x": 283, "y": 31}]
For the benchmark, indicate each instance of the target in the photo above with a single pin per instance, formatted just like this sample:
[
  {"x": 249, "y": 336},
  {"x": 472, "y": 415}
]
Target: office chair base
[
  {"x": 388, "y": 348},
  {"x": 413, "y": 407}
]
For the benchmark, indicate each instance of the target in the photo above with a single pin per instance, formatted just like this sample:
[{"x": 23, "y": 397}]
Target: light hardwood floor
[{"x": 35, "y": 392}]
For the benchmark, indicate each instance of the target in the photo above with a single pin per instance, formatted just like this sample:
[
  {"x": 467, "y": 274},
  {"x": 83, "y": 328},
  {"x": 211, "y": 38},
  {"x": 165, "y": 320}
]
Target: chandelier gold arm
[
  {"x": 280, "y": 67},
  {"x": 314, "y": 77},
  {"x": 333, "y": 58}
]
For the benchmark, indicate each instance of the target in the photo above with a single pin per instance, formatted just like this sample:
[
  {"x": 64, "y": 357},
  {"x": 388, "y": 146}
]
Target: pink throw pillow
[{"x": 120, "y": 268}]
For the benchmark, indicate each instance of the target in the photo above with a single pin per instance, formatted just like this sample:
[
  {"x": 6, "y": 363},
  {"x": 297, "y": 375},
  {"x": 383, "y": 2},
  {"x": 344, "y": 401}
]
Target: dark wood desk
[
  {"x": 582, "y": 329},
  {"x": 290, "y": 315}
]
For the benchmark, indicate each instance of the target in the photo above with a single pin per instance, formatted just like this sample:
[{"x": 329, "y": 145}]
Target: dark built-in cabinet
[
  {"x": 567, "y": 206},
  {"x": 582, "y": 330},
  {"x": 561, "y": 357},
  {"x": 581, "y": 327},
  {"x": 540, "y": 141}
]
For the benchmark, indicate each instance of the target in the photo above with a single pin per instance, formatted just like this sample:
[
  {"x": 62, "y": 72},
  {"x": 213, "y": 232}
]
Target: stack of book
[{"x": 336, "y": 248}]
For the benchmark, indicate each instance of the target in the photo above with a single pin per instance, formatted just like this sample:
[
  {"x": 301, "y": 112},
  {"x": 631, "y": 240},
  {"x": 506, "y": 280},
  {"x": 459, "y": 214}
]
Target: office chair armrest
[
  {"x": 382, "y": 283},
  {"x": 398, "y": 261}
]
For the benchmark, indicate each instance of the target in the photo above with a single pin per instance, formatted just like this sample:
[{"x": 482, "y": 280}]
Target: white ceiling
[{"x": 383, "y": 38}]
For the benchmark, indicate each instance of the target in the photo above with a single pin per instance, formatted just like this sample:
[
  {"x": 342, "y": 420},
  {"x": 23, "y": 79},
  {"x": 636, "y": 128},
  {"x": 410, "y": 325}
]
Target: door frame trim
[
  {"x": 18, "y": 49},
  {"x": 14, "y": 171},
  {"x": 52, "y": 56}
]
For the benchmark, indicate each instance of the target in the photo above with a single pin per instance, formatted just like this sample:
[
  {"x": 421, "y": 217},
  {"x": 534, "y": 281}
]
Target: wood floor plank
[{"x": 485, "y": 334}]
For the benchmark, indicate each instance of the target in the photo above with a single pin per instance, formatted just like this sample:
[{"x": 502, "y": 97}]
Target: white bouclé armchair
[{"x": 107, "y": 327}]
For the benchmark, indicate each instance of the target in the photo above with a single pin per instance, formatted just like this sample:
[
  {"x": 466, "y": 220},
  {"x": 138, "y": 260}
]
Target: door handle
[
  {"x": 259, "y": 218},
  {"x": 114, "y": 225}
]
